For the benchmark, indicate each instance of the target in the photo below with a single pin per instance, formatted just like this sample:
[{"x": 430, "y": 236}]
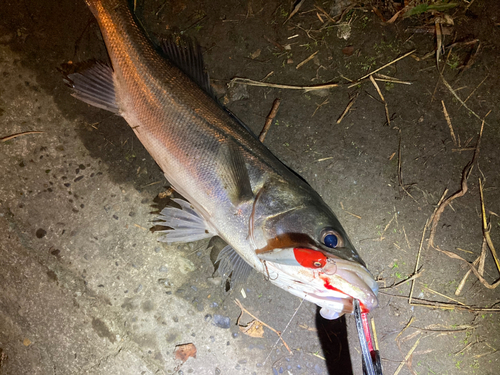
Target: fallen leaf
[
  {"x": 305, "y": 326},
  {"x": 26, "y": 342},
  {"x": 184, "y": 351},
  {"x": 255, "y": 54},
  {"x": 253, "y": 329},
  {"x": 348, "y": 51}
]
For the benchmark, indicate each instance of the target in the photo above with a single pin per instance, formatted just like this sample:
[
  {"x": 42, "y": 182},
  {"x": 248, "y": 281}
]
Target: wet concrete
[{"x": 87, "y": 289}]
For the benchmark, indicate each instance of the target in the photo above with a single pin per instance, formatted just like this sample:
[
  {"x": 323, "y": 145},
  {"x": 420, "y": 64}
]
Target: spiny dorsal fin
[{"x": 187, "y": 56}]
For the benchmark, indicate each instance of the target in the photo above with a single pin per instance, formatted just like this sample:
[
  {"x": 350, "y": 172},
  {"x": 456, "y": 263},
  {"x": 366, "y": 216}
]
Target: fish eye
[
  {"x": 331, "y": 238},
  {"x": 317, "y": 264}
]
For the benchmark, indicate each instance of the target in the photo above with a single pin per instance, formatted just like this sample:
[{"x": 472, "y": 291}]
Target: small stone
[
  {"x": 163, "y": 269},
  {"x": 215, "y": 280},
  {"x": 221, "y": 321},
  {"x": 234, "y": 334},
  {"x": 40, "y": 233},
  {"x": 139, "y": 288},
  {"x": 242, "y": 361}
]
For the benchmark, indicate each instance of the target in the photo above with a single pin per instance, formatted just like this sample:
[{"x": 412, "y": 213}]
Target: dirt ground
[{"x": 87, "y": 289}]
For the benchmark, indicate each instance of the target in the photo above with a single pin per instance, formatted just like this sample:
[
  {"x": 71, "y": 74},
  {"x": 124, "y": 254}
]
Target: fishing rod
[{"x": 370, "y": 355}]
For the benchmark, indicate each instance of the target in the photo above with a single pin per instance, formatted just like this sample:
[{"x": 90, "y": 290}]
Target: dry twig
[
  {"x": 294, "y": 11},
  {"x": 387, "y": 117},
  {"x": 444, "y": 305},
  {"x": 486, "y": 230},
  {"x": 12, "y": 136},
  {"x": 269, "y": 119},
  {"x": 405, "y": 328},
  {"x": 250, "y": 82},
  {"x": 437, "y": 215},
  {"x": 346, "y": 110},
  {"x": 458, "y": 98},
  {"x": 448, "y": 120},
  {"x": 475, "y": 264},
  {"x": 405, "y": 361},
  {"x": 306, "y": 60},
  {"x": 385, "y": 66}
]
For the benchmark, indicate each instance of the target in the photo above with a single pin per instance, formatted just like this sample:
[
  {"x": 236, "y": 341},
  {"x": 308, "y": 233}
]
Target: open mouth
[
  {"x": 345, "y": 281},
  {"x": 324, "y": 279}
]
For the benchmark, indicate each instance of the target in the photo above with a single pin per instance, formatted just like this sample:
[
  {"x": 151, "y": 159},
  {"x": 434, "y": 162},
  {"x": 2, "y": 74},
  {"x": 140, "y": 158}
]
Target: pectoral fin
[
  {"x": 234, "y": 174},
  {"x": 186, "y": 224},
  {"x": 232, "y": 267}
]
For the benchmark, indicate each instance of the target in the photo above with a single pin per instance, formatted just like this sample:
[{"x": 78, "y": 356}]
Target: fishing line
[{"x": 271, "y": 351}]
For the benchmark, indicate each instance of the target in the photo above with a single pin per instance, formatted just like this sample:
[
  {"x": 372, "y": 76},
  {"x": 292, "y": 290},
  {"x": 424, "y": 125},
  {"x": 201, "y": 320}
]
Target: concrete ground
[{"x": 86, "y": 288}]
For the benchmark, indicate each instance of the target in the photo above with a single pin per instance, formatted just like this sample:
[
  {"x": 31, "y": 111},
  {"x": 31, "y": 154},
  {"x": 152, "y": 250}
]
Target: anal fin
[{"x": 186, "y": 224}]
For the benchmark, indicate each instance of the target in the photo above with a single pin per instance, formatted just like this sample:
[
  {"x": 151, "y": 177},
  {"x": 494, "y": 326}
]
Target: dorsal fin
[{"x": 187, "y": 56}]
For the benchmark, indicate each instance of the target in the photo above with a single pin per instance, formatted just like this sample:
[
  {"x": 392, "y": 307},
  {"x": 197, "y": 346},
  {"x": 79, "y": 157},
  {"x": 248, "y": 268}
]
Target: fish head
[
  {"x": 309, "y": 254},
  {"x": 322, "y": 278}
]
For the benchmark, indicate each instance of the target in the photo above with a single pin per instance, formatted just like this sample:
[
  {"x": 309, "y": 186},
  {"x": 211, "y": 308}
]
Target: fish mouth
[
  {"x": 333, "y": 288},
  {"x": 349, "y": 281}
]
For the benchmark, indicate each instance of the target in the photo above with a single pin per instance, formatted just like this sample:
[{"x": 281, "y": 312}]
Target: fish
[{"x": 234, "y": 187}]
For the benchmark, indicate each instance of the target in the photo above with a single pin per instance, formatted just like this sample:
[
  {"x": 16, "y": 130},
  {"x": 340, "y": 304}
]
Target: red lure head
[{"x": 309, "y": 258}]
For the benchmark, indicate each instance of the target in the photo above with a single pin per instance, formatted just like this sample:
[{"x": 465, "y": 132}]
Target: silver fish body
[{"x": 241, "y": 191}]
